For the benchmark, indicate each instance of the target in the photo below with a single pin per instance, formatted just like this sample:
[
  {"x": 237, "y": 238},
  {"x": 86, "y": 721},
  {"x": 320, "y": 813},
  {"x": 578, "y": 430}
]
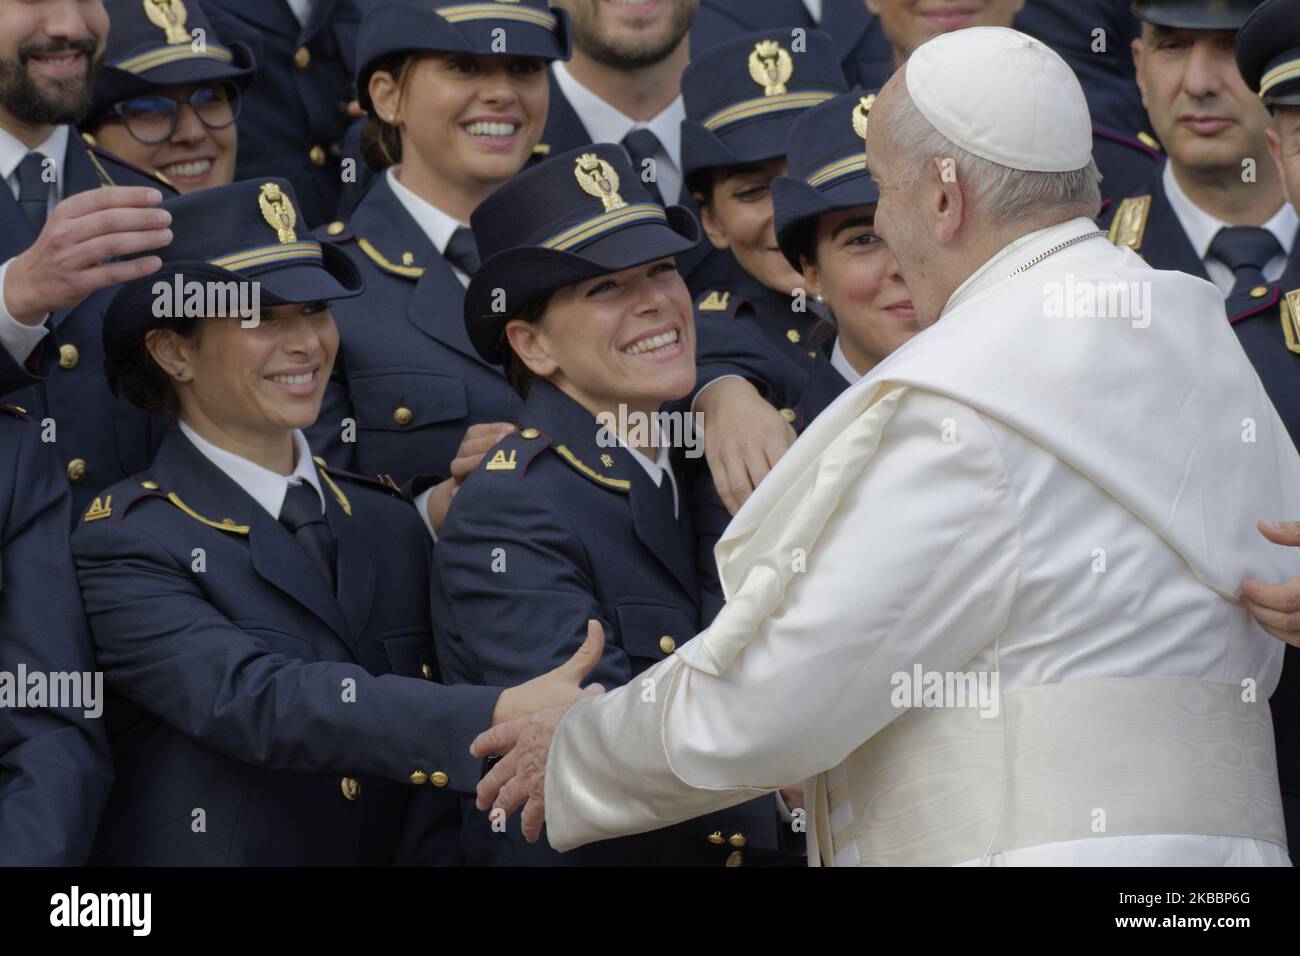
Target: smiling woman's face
[
  {"x": 261, "y": 380},
  {"x": 737, "y": 215},
  {"x": 627, "y": 338},
  {"x": 194, "y": 157},
  {"x": 859, "y": 280}
]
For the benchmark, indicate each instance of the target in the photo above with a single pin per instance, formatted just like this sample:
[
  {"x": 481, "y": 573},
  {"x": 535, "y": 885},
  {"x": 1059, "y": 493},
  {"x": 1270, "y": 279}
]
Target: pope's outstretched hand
[
  {"x": 519, "y": 778},
  {"x": 1276, "y": 606}
]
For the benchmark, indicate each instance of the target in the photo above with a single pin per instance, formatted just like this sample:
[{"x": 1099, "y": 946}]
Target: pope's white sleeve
[{"x": 918, "y": 566}]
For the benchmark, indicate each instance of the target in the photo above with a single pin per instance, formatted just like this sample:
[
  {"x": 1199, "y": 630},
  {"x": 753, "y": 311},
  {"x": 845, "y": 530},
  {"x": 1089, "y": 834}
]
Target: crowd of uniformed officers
[{"x": 329, "y": 335}]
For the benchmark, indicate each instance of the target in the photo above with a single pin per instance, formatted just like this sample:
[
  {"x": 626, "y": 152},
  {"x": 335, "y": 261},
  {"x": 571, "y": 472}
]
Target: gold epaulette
[
  {"x": 1130, "y": 222},
  {"x": 715, "y": 301},
  {"x": 406, "y": 269},
  {"x": 618, "y": 484}
]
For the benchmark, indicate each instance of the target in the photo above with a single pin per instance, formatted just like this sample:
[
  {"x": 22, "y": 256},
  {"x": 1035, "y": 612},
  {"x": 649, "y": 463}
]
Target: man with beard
[
  {"x": 623, "y": 85},
  {"x": 57, "y": 228}
]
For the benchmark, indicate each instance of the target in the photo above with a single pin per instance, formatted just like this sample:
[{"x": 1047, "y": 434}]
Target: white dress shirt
[
  {"x": 266, "y": 487},
  {"x": 1201, "y": 228},
  {"x": 657, "y": 469},
  {"x": 607, "y": 124},
  {"x": 437, "y": 225},
  {"x": 840, "y": 363},
  {"x": 301, "y": 9},
  {"x": 17, "y": 339},
  {"x": 815, "y": 9}
]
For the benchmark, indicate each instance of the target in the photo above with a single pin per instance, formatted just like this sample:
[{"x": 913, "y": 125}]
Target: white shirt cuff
[
  {"x": 422, "y": 506},
  {"x": 19, "y": 340},
  {"x": 708, "y": 385}
]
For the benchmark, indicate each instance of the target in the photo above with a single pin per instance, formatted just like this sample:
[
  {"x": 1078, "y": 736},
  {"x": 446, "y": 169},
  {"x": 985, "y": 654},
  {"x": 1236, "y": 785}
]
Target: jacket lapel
[
  {"x": 276, "y": 556},
  {"x": 436, "y": 308},
  {"x": 652, "y": 516},
  {"x": 356, "y": 561},
  {"x": 1166, "y": 233}
]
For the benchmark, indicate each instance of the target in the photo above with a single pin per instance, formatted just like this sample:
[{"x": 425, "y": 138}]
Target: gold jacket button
[
  {"x": 667, "y": 644},
  {"x": 788, "y": 415},
  {"x": 529, "y": 433},
  {"x": 351, "y": 788},
  {"x": 1256, "y": 293},
  {"x": 735, "y": 858},
  {"x": 427, "y": 671},
  {"x": 403, "y": 416},
  {"x": 317, "y": 156},
  {"x": 737, "y": 840},
  {"x": 334, "y": 228},
  {"x": 77, "y": 470},
  {"x": 438, "y": 779},
  {"x": 302, "y": 58},
  {"x": 419, "y": 777},
  {"x": 716, "y": 838},
  {"x": 149, "y": 485},
  {"x": 793, "y": 335},
  {"x": 68, "y": 356}
]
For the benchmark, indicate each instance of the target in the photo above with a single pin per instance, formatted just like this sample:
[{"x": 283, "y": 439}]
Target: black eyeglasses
[{"x": 152, "y": 119}]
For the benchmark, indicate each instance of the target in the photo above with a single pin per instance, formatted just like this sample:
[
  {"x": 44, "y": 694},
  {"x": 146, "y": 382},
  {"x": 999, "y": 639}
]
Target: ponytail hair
[{"x": 381, "y": 141}]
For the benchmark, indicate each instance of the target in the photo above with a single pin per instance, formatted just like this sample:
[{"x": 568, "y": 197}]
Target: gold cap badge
[
  {"x": 860, "y": 114},
  {"x": 168, "y": 16},
  {"x": 597, "y": 178},
  {"x": 278, "y": 212},
  {"x": 770, "y": 67}
]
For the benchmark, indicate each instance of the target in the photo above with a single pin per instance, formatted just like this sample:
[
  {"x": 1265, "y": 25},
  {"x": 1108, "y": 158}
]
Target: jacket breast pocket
[
  {"x": 651, "y": 632},
  {"x": 409, "y": 651},
  {"x": 406, "y": 401}
]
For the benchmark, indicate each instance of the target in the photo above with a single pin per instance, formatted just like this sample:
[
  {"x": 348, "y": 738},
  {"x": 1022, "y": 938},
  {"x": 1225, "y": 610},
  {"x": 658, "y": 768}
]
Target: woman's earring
[
  {"x": 180, "y": 372},
  {"x": 820, "y": 300}
]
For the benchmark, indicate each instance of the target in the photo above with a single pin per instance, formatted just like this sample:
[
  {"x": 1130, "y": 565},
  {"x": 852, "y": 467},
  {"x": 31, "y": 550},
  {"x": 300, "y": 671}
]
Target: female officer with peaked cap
[
  {"x": 263, "y": 621},
  {"x": 824, "y": 215},
  {"x": 159, "y": 59},
  {"x": 566, "y": 520},
  {"x": 456, "y": 96}
]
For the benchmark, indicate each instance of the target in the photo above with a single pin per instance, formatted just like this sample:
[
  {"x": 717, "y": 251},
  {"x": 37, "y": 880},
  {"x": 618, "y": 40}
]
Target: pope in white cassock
[{"x": 1049, "y": 494}]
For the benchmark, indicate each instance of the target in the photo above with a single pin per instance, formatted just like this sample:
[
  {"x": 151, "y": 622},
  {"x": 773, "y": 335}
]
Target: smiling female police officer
[
  {"x": 824, "y": 218},
  {"x": 154, "y": 68},
  {"x": 456, "y": 96},
  {"x": 262, "y": 623},
  {"x": 566, "y": 521}
]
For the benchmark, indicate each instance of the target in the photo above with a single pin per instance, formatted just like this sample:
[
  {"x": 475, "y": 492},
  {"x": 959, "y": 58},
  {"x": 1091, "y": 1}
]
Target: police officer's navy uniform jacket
[
  {"x": 55, "y": 768},
  {"x": 406, "y": 372},
  {"x": 294, "y": 115},
  {"x": 302, "y": 725},
  {"x": 552, "y": 530},
  {"x": 99, "y": 439}
]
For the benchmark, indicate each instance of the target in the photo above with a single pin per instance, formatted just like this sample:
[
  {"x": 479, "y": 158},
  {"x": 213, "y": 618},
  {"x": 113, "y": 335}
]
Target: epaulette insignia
[
  {"x": 542, "y": 149},
  {"x": 500, "y": 461},
  {"x": 1291, "y": 320},
  {"x": 17, "y": 411},
  {"x": 1146, "y": 139},
  {"x": 618, "y": 484},
  {"x": 715, "y": 302},
  {"x": 99, "y": 508},
  {"x": 407, "y": 270},
  {"x": 1130, "y": 222},
  {"x": 607, "y": 461}
]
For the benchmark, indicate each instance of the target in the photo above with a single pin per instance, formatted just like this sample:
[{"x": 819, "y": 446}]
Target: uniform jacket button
[
  {"x": 419, "y": 777},
  {"x": 737, "y": 840},
  {"x": 351, "y": 788},
  {"x": 716, "y": 838},
  {"x": 403, "y": 416},
  {"x": 317, "y": 156},
  {"x": 788, "y": 415},
  {"x": 735, "y": 858},
  {"x": 438, "y": 779},
  {"x": 667, "y": 644},
  {"x": 302, "y": 58},
  {"x": 427, "y": 671},
  {"x": 68, "y": 356},
  {"x": 529, "y": 433},
  {"x": 77, "y": 470}
]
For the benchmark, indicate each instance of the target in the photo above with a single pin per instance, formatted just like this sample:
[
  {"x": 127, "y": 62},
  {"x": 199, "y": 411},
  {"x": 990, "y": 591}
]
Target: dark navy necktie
[
  {"x": 33, "y": 190},
  {"x": 641, "y": 144},
  {"x": 1245, "y": 250},
  {"x": 301, "y": 514},
  {"x": 462, "y": 252}
]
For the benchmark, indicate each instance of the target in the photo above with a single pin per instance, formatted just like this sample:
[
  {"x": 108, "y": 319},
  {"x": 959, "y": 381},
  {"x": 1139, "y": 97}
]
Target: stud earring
[
  {"x": 180, "y": 372},
  {"x": 820, "y": 300}
]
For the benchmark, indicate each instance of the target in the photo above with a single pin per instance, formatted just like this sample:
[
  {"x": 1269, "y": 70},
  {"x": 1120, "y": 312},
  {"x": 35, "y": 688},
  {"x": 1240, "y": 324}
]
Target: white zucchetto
[{"x": 1003, "y": 96}]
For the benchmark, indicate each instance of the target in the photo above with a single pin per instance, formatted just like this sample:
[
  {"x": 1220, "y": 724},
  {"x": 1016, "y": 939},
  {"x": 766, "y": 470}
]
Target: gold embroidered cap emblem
[
  {"x": 860, "y": 114},
  {"x": 278, "y": 212},
  {"x": 168, "y": 16},
  {"x": 770, "y": 67},
  {"x": 598, "y": 178}
]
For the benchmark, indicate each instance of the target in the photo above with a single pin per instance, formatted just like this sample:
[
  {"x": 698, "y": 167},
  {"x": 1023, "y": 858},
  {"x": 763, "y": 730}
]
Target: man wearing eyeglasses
[{"x": 58, "y": 229}]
